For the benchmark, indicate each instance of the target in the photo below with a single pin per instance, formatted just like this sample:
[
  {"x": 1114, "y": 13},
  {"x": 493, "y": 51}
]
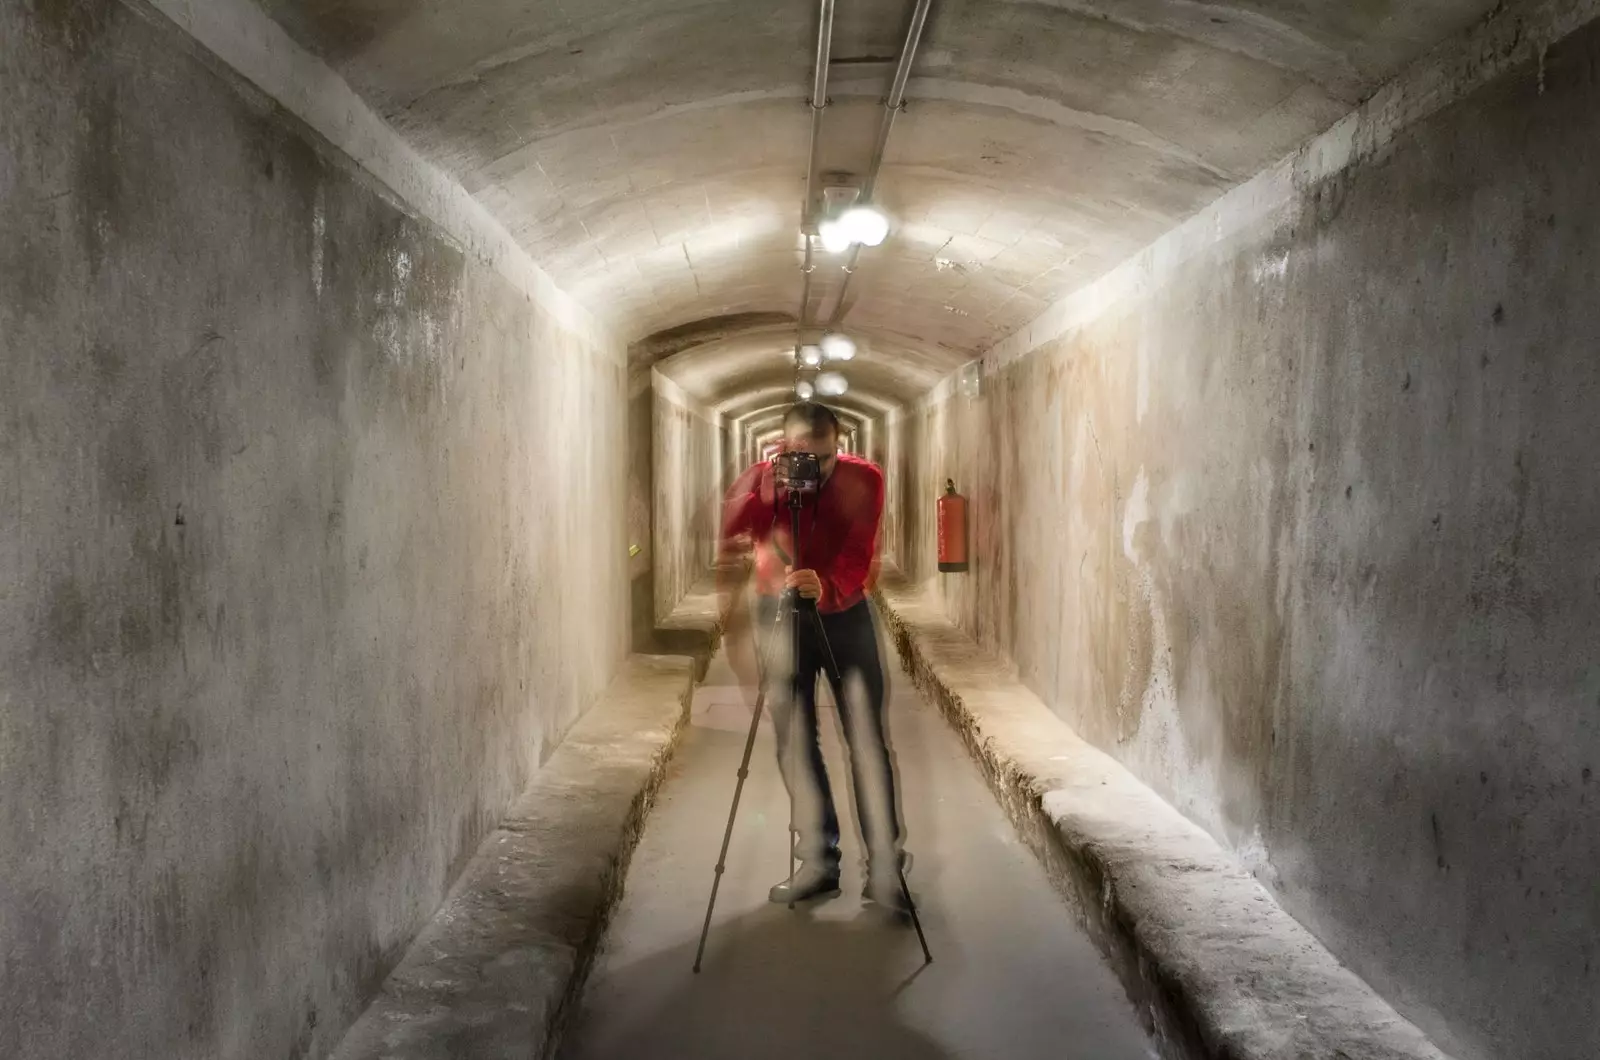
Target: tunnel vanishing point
[{"x": 371, "y": 372}]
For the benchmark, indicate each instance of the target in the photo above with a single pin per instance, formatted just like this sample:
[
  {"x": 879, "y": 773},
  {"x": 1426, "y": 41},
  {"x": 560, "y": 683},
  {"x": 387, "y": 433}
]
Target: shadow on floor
[{"x": 775, "y": 983}]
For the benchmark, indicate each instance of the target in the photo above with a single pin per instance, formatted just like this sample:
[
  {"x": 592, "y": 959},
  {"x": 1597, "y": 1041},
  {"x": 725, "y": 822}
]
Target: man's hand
[{"x": 806, "y": 581}]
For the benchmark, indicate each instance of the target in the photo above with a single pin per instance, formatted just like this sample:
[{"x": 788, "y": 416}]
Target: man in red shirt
[{"x": 837, "y": 558}]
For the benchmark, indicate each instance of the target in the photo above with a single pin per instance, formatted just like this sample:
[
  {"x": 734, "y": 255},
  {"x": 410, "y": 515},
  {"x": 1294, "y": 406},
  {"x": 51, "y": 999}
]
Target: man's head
[{"x": 812, "y": 428}]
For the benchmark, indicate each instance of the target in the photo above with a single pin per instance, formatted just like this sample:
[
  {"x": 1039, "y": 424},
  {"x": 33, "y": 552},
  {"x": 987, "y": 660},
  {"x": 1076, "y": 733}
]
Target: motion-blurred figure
[{"x": 838, "y": 538}]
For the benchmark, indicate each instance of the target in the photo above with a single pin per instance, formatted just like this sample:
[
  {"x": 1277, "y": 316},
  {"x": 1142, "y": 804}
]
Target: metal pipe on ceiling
[
  {"x": 819, "y": 103},
  {"x": 891, "y": 107},
  {"x": 897, "y": 95}
]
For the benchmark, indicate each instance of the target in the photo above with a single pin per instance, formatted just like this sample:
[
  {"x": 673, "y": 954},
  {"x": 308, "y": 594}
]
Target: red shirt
[{"x": 838, "y": 530}]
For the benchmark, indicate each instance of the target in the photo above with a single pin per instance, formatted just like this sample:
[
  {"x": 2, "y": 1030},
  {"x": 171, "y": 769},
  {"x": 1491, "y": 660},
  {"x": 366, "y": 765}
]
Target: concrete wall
[
  {"x": 893, "y": 455},
  {"x": 297, "y": 506},
  {"x": 641, "y": 416},
  {"x": 1297, "y": 517},
  {"x": 688, "y": 482}
]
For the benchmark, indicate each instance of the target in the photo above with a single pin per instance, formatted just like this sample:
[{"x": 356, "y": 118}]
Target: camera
[{"x": 798, "y": 472}]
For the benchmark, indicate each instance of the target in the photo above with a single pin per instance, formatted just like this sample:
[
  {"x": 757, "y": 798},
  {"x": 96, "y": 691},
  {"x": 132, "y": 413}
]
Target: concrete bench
[
  {"x": 1218, "y": 969},
  {"x": 496, "y": 972},
  {"x": 692, "y": 628}
]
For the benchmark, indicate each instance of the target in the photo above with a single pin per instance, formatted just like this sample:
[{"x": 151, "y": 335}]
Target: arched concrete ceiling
[
  {"x": 651, "y": 153},
  {"x": 770, "y": 421},
  {"x": 728, "y": 365},
  {"x": 780, "y": 396},
  {"x": 767, "y": 404}
]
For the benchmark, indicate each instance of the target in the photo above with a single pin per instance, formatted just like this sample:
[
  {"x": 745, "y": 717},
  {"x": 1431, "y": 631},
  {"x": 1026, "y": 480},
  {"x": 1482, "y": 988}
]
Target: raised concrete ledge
[
  {"x": 495, "y": 973},
  {"x": 1218, "y": 969},
  {"x": 693, "y": 628},
  {"x": 694, "y": 622}
]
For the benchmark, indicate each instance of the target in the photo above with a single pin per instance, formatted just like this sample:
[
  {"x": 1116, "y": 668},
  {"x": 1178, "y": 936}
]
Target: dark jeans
[{"x": 854, "y": 638}]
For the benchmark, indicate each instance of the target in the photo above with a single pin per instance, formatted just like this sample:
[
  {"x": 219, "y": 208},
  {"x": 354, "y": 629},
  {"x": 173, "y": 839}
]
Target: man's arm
[
  {"x": 743, "y": 500},
  {"x": 740, "y": 508},
  {"x": 857, "y": 556}
]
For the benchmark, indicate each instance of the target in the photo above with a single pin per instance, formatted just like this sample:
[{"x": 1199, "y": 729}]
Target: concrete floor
[{"x": 1013, "y": 977}]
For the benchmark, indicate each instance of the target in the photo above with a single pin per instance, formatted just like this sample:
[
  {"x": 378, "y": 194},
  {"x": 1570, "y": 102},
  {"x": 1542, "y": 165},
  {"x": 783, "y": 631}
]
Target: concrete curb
[
  {"x": 694, "y": 630},
  {"x": 1217, "y": 968},
  {"x": 496, "y": 972}
]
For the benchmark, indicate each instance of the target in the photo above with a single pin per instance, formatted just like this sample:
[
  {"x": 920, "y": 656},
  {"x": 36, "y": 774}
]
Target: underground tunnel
[{"x": 385, "y": 388}]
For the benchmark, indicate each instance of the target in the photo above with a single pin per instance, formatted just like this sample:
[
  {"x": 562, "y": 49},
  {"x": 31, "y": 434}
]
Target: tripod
[{"x": 791, "y": 607}]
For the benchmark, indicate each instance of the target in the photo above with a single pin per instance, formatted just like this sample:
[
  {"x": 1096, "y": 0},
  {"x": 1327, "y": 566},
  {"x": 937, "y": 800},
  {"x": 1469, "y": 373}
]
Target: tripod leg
[
  {"x": 738, "y": 790},
  {"x": 790, "y": 606},
  {"x": 794, "y": 833},
  {"x": 727, "y": 836},
  {"x": 916, "y": 921}
]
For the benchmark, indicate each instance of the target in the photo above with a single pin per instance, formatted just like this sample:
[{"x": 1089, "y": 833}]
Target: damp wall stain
[
  {"x": 1305, "y": 535},
  {"x": 290, "y": 538}
]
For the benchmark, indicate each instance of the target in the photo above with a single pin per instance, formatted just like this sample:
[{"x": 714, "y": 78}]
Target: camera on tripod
[{"x": 798, "y": 472}]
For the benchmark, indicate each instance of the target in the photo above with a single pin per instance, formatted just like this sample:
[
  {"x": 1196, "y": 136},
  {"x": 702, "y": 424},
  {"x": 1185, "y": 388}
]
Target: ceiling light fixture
[
  {"x": 835, "y": 240},
  {"x": 866, "y": 225},
  {"x": 804, "y": 390},
  {"x": 832, "y": 384},
  {"x": 837, "y": 347},
  {"x": 811, "y": 356}
]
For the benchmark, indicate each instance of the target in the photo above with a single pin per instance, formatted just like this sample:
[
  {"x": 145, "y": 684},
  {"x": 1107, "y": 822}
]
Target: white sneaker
[
  {"x": 886, "y": 890},
  {"x": 809, "y": 881}
]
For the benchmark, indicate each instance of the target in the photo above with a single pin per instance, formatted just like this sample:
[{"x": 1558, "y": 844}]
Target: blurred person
[{"x": 839, "y": 527}]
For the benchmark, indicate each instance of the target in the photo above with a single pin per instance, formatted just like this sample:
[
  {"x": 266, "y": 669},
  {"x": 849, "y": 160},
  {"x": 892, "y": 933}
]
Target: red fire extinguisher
[{"x": 952, "y": 530}]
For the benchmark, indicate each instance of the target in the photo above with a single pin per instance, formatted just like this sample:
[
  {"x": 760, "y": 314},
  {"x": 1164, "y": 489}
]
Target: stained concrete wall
[
  {"x": 641, "y": 507},
  {"x": 688, "y": 481},
  {"x": 892, "y": 452},
  {"x": 297, "y": 505},
  {"x": 1299, "y": 522}
]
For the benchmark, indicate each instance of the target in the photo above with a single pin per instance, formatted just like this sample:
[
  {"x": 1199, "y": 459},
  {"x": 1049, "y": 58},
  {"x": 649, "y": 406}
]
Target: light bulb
[
  {"x": 804, "y": 390},
  {"x": 832, "y": 384},
  {"x": 865, "y": 225},
  {"x": 835, "y": 237},
  {"x": 836, "y": 347},
  {"x": 811, "y": 356}
]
